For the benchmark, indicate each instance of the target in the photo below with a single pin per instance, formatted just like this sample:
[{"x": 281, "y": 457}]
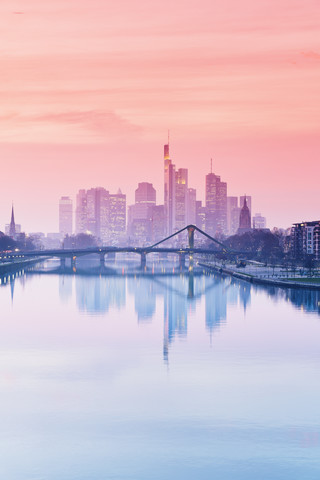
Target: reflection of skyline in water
[{"x": 180, "y": 295}]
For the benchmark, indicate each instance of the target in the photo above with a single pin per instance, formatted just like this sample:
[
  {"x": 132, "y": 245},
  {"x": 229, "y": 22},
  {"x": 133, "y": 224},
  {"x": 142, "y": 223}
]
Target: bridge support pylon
[
  {"x": 102, "y": 259},
  {"x": 191, "y": 230},
  {"x": 63, "y": 262}
]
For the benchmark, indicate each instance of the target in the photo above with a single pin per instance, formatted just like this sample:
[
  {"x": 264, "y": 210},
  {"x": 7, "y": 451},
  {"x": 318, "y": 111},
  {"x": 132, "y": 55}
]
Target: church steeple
[
  {"x": 12, "y": 229},
  {"x": 245, "y": 218}
]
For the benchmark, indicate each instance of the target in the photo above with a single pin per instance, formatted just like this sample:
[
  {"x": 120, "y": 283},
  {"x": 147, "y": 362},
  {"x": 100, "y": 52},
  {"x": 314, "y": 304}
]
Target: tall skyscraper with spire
[{"x": 169, "y": 191}]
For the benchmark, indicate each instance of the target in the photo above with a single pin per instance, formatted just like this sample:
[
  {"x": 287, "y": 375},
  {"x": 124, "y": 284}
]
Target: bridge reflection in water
[{"x": 179, "y": 293}]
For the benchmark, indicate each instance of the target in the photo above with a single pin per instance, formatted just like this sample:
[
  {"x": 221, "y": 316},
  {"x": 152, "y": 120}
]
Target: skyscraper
[
  {"x": 101, "y": 214},
  {"x": 81, "y": 212},
  {"x": 181, "y": 198},
  {"x": 117, "y": 216},
  {"x": 65, "y": 216},
  {"x": 140, "y": 214},
  {"x": 191, "y": 208},
  {"x": 169, "y": 191},
  {"x": 216, "y": 204},
  {"x": 233, "y": 215}
]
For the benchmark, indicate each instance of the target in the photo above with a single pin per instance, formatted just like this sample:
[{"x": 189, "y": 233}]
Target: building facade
[
  {"x": 216, "y": 205},
  {"x": 65, "y": 216},
  {"x": 305, "y": 240}
]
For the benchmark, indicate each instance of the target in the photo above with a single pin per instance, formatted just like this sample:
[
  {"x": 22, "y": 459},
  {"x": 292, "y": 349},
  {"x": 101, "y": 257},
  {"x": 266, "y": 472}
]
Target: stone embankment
[
  {"x": 279, "y": 282},
  {"x": 18, "y": 264}
]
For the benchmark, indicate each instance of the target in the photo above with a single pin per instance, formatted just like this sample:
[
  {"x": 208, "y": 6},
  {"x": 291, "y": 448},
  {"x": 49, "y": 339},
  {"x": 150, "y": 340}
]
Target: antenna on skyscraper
[
  {"x": 168, "y": 136},
  {"x": 211, "y": 164}
]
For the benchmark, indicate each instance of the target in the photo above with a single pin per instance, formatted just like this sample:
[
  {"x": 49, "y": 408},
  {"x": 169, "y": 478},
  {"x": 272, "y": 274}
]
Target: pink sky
[{"x": 89, "y": 88}]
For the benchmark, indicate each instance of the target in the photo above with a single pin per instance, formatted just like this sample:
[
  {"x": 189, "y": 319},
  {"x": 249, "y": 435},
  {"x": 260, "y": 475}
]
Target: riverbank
[
  {"x": 282, "y": 282},
  {"x": 18, "y": 264}
]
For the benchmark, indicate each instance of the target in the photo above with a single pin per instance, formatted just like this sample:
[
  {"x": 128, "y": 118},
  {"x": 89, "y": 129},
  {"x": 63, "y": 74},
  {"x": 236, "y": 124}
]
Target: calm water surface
[{"x": 157, "y": 377}]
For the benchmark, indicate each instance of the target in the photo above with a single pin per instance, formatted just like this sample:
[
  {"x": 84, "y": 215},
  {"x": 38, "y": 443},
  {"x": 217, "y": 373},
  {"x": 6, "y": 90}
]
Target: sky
[{"x": 90, "y": 88}]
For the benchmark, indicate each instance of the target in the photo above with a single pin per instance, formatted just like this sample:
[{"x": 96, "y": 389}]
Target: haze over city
[{"x": 89, "y": 90}]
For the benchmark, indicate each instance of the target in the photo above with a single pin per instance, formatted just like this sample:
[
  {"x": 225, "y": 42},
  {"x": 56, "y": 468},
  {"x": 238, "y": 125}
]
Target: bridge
[{"x": 190, "y": 250}]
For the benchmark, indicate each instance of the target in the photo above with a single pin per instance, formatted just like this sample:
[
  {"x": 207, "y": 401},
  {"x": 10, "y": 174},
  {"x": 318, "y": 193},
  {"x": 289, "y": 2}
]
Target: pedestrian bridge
[{"x": 183, "y": 252}]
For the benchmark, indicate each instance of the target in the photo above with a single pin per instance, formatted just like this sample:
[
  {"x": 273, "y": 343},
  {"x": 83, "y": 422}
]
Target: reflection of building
[
  {"x": 65, "y": 216},
  {"x": 216, "y": 303},
  {"x": 65, "y": 287},
  {"x": 96, "y": 294},
  {"x": 145, "y": 305},
  {"x": 175, "y": 314}
]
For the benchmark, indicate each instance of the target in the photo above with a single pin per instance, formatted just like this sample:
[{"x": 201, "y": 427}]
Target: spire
[
  {"x": 245, "y": 200},
  {"x": 12, "y": 215},
  {"x": 211, "y": 165},
  {"x": 168, "y": 137},
  {"x": 12, "y": 228}
]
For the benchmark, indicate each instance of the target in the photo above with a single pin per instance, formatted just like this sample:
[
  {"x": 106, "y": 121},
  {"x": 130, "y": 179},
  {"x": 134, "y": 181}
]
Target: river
[{"x": 158, "y": 375}]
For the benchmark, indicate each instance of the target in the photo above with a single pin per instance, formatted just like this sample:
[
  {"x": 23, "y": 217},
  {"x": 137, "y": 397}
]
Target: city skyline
[{"x": 90, "y": 90}]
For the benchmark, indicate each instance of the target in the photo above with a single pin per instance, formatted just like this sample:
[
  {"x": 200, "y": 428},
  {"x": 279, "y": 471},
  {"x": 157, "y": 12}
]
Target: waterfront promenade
[{"x": 278, "y": 276}]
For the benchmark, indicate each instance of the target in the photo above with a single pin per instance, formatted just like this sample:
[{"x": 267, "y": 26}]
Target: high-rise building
[
  {"x": 181, "y": 198},
  {"x": 81, "y": 212},
  {"x": 259, "y": 222},
  {"x": 191, "y": 206},
  {"x": 117, "y": 216},
  {"x": 216, "y": 205},
  {"x": 233, "y": 215},
  {"x": 140, "y": 214},
  {"x": 200, "y": 215},
  {"x": 158, "y": 225},
  {"x": 65, "y": 216},
  {"x": 101, "y": 214},
  {"x": 169, "y": 191}
]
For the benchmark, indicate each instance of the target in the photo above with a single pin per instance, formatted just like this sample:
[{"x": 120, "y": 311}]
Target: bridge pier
[
  {"x": 63, "y": 262},
  {"x": 143, "y": 260},
  {"x": 191, "y": 230},
  {"x": 102, "y": 259}
]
